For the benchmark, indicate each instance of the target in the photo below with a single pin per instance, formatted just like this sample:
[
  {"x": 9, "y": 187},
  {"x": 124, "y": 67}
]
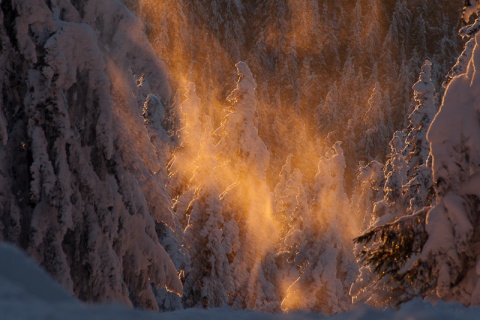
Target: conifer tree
[
  {"x": 210, "y": 239},
  {"x": 248, "y": 157},
  {"x": 377, "y": 123},
  {"x": 393, "y": 204},
  {"x": 239, "y": 141},
  {"x": 432, "y": 252},
  {"x": 326, "y": 270},
  {"x": 417, "y": 147},
  {"x": 357, "y": 25},
  {"x": 209, "y": 283},
  {"x": 373, "y": 29},
  {"x": 285, "y": 196},
  {"x": 327, "y": 113},
  {"x": 420, "y": 186},
  {"x": 190, "y": 135},
  {"x": 292, "y": 211},
  {"x": 78, "y": 168},
  {"x": 368, "y": 190}
]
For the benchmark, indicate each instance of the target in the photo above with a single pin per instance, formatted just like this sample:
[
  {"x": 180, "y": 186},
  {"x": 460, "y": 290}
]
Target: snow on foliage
[
  {"x": 220, "y": 215},
  {"x": 86, "y": 134},
  {"x": 89, "y": 203},
  {"x": 417, "y": 148},
  {"x": 388, "y": 247},
  {"x": 322, "y": 256},
  {"x": 418, "y": 192},
  {"x": 241, "y": 135},
  {"x": 432, "y": 252},
  {"x": 450, "y": 249},
  {"x": 378, "y": 121},
  {"x": 210, "y": 281},
  {"x": 249, "y": 199}
]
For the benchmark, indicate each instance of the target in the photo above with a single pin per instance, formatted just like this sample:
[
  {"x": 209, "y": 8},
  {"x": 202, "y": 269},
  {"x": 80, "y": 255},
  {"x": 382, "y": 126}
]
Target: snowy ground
[{"x": 26, "y": 292}]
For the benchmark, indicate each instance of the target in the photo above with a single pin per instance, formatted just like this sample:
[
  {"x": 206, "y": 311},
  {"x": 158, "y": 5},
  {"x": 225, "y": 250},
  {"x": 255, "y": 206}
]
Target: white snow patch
[
  {"x": 19, "y": 274},
  {"x": 27, "y": 292}
]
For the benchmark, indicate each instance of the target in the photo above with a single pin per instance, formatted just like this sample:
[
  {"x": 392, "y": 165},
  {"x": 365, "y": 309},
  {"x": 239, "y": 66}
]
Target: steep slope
[
  {"x": 88, "y": 123},
  {"x": 318, "y": 64}
]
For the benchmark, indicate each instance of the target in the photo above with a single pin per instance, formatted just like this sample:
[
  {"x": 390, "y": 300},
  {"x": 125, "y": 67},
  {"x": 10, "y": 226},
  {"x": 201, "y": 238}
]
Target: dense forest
[{"x": 273, "y": 155}]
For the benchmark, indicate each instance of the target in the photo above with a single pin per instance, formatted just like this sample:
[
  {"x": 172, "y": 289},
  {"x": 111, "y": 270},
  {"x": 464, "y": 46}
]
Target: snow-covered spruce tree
[
  {"x": 470, "y": 9},
  {"x": 172, "y": 238},
  {"x": 419, "y": 189},
  {"x": 153, "y": 119},
  {"x": 401, "y": 197},
  {"x": 377, "y": 124},
  {"x": 248, "y": 198},
  {"x": 170, "y": 235},
  {"x": 433, "y": 252},
  {"x": 384, "y": 211},
  {"x": 239, "y": 140},
  {"x": 368, "y": 190},
  {"x": 373, "y": 29},
  {"x": 190, "y": 135},
  {"x": 327, "y": 112},
  {"x": 393, "y": 204},
  {"x": 80, "y": 193},
  {"x": 210, "y": 239},
  {"x": 404, "y": 191},
  {"x": 324, "y": 258},
  {"x": 451, "y": 252},
  {"x": 387, "y": 277},
  {"x": 292, "y": 211},
  {"x": 417, "y": 147},
  {"x": 285, "y": 198}
]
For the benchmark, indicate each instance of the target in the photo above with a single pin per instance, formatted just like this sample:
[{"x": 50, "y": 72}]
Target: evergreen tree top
[
  {"x": 424, "y": 83},
  {"x": 245, "y": 84}
]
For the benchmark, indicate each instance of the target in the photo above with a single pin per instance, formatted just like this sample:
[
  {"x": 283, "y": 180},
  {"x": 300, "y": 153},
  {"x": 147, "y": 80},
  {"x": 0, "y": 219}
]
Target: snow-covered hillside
[
  {"x": 27, "y": 292},
  {"x": 166, "y": 155}
]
